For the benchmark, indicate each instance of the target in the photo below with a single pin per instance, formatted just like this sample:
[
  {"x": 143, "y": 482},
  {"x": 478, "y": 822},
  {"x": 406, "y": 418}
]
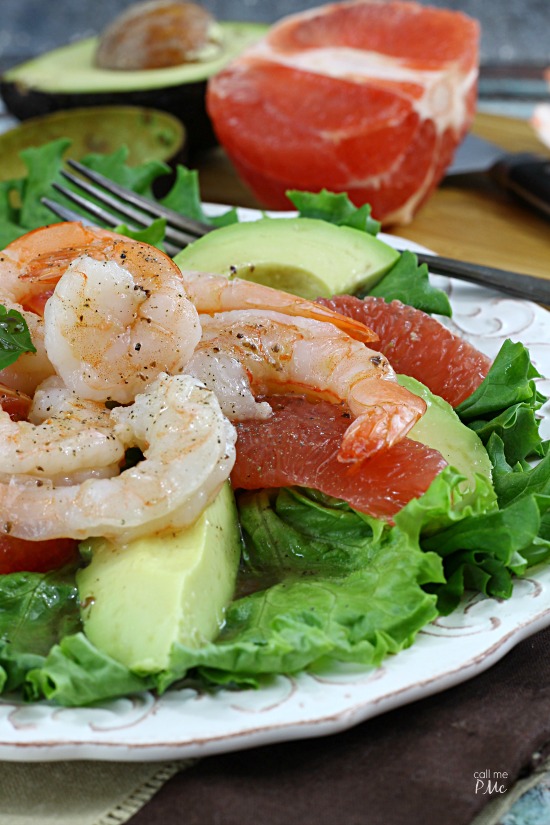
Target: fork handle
[{"x": 517, "y": 284}]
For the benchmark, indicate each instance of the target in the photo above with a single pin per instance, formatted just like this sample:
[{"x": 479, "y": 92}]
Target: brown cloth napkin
[{"x": 417, "y": 765}]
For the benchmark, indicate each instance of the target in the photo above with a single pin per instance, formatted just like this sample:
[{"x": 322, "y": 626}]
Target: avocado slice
[
  {"x": 67, "y": 78},
  {"x": 147, "y": 133},
  {"x": 441, "y": 428},
  {"x": 305, "y": 256},
  {"x": 139, "y": 599}
]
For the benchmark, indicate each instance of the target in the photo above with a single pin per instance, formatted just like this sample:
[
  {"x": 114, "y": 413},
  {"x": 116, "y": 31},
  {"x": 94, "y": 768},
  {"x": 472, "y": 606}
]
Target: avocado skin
[
  {"x": 27, "y": 90},
  {"x": 186, "y": 102}
]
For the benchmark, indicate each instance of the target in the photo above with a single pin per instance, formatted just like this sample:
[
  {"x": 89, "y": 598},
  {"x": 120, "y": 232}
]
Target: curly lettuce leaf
[
  {"x": 410, "y": 283},
  {"x": 184, "y": 197},
  {"x": 76, "y": 673},
  {"x": 334, "y": 208},
  {"x": 359, "y": 615},
  {"x": 298, "y": 530},
  {"x": 485, "y": 551},
  {"x": 21, "y": 207},
  {"x": 506, "y": 404}
]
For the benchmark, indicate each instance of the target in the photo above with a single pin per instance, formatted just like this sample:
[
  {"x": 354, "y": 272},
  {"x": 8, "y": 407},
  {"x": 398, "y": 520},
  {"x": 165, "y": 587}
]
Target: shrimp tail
[{"x": 389, "y": 415}]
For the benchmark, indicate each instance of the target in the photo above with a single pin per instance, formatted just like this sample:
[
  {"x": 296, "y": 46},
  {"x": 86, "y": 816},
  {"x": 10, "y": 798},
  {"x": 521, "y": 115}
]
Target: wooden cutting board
[{"x": 472, "y": 219}]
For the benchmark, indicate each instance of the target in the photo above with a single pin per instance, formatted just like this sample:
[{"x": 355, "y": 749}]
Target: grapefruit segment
[
  {"x": 363, "y": 97},
  {"x": 17, "y": 404},
  {"x": 18, "y": 555},
  {"x": 298, "y": 445},
  {"x": 418, "y": 345}
]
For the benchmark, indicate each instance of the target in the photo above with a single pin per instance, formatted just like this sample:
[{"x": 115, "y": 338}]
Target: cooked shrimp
[
  {"x": 64, "y": 435},
  {"x": 44, "y": 254},
  {"x": 117, "y": 319},
  {"x": 215, "y": 293},
  {"x": 40, "y": 257},
  {"x": 189, "y": 451},
  {"x": 312, "y": 358},
  {"x": 29, "y": 268},
  {"x": 72, "y": 321},
  {"x": 31, "y": 368}
]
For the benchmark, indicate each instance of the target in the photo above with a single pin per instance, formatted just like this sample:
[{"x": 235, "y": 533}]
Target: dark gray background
[{"x": 514, "y": 31}]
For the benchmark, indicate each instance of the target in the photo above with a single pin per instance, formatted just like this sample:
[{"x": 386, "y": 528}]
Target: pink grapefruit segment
[
  {"x": 368, "y": 98},
  {"x": 298, "y": 446},
  {"x": 418, "y": 345}
]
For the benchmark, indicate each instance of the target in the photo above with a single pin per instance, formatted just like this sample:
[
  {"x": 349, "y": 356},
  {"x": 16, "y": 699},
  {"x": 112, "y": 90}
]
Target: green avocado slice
[
  {"x": 66, "y": 78},
  {"x": 148, "y": 135},
  {"x": 304, "y": 256},
  {"x": 141, "y": 598},
  {"x": 441, "y": 428}
]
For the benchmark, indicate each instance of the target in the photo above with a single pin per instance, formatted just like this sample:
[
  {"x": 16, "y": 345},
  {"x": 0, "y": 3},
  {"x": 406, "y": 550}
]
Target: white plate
[{"x": 185, "y": 723}]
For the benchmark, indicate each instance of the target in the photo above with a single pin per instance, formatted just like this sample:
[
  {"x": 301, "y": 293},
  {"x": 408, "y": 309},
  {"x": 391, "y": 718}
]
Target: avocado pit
[{"x": 157, "y": 34}]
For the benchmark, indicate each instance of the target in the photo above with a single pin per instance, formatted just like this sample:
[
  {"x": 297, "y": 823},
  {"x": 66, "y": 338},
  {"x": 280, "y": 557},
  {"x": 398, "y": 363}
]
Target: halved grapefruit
[
  {"x": 418, "y": 345},
  {"x": 364, "y": 97},
  {"x": 299, "y": 443}
]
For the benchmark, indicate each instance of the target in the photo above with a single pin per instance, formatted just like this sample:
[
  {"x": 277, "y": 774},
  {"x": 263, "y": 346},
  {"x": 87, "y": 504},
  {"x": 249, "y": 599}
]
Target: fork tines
[{"x": 123, "y": 204}]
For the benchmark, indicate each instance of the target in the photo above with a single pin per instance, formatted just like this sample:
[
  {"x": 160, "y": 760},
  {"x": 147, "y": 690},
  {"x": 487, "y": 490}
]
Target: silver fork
[{"x": 122, "y": 204}]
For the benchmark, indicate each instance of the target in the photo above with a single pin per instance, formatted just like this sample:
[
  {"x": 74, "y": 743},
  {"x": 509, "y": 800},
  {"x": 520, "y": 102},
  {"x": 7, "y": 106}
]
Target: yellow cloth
[{"x": 90, "y": 793}]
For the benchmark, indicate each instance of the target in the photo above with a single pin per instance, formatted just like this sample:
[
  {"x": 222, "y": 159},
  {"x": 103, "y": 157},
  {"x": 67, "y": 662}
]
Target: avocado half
[
  {"x": 148, "y": 135},
  {"x": 66, "y": 78}
]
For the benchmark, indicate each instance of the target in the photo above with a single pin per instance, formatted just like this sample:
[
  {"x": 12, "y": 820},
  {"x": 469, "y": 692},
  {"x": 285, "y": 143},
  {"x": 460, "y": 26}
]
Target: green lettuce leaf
[
  {"x": 334, "y": 208},
  {"x": 485, "y": 551},
  {"x": 410, "y": 283},
  {"x": 184, "y": 197},
  {"x": 14, "y": 667},
  {"x": 76, "y": 673},
  {"x": 307, "y": 621},
  {"x": 36, "y": 611},
  {"x": 152, "y": 234},
  {"x": 506, "y": 404}
]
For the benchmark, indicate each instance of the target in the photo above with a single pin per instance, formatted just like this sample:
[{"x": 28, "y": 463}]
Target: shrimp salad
[{"x": 133, "y": 393}]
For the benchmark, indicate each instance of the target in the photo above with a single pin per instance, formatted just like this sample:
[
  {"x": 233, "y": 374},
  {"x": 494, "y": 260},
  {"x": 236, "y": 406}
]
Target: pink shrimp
[{"x": 247, "y": 353}]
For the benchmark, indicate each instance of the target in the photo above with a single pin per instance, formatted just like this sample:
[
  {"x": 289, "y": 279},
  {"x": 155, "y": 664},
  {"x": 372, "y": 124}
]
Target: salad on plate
[{"x": 219, "y": 481}]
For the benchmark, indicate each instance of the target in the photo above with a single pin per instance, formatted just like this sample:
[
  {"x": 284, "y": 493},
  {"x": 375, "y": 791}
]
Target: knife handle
[{"x": 528, "y": 177}]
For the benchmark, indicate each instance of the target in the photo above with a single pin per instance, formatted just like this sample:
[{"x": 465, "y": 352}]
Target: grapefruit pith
[
  {"x": 368, "y": 98},
  {"x": 418, "y": 345},
  {"x": 298, "y": 446}
]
